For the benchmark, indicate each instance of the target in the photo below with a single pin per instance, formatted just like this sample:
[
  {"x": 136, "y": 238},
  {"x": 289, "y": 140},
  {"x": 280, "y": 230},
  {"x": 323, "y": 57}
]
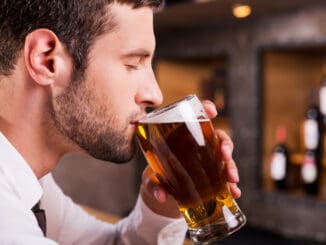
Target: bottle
[
  {"x": 322, "y": 107},
  {"x": 312, "y": 127},
  {"x": 280, "y": 160},
  {"x": 322, "y": 97}
]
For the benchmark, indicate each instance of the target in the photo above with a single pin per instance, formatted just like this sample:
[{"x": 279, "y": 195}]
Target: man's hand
[
  {"x": 226, "y": 150},
  {"x": 160, "y": 202}
]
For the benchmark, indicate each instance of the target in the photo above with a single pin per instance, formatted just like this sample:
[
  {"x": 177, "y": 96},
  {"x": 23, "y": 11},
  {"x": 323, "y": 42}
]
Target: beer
[{"x": 186, "y": 160}]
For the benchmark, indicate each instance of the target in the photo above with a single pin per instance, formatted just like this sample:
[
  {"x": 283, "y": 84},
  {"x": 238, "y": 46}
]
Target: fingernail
[
  {"x": 237, "y": 193},
  {"x": 227, "y": 150},
  {"x": 235, "y": 175},
  {"x": 210, "y": 106},
  {"x": 159, "y": 195},
  {"x": 156, "y": 194},
  {"x": 213, "y": 108}
]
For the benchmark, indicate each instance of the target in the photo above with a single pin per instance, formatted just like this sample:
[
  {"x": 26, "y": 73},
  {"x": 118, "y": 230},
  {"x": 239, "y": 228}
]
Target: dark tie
[{"x": 40, "y": 216}]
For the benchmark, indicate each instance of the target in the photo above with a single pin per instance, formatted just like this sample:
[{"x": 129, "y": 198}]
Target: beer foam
[{"x": 189, "y": 109}]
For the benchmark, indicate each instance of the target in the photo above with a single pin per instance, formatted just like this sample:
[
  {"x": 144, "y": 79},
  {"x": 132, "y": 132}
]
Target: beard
[{"x": 79, "y": 115}]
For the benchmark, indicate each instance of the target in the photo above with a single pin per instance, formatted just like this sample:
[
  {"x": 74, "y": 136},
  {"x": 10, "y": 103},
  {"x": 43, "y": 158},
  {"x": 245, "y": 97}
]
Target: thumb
[
  {"x": 155, "y": 196},
  {"x": 151, "y": 186}
]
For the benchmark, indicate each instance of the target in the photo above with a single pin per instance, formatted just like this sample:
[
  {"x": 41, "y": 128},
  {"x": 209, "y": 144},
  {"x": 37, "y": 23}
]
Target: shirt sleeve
[
  {"x": 67, "y": 223},
  {"x": 147, "y": 227}
]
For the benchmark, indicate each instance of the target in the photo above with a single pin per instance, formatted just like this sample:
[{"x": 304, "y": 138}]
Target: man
[{"x": 76, "y": 75}]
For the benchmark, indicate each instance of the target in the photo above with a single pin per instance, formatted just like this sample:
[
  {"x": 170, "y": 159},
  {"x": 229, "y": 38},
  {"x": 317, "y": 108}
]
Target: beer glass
[{"x": 180, "y": 146}]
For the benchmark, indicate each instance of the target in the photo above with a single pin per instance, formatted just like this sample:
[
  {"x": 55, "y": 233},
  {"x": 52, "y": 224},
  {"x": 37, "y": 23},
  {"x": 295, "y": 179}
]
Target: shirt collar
[{"x": 20, "y": 175}]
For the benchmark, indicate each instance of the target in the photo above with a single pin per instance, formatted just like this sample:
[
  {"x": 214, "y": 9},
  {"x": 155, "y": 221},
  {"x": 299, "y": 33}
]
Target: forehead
[{"x": 133, "y": 26}]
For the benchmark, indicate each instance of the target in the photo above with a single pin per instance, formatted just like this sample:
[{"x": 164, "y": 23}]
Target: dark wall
[
  {"x": 242, "y": 43},
  {"x": 105, "y": 186}
]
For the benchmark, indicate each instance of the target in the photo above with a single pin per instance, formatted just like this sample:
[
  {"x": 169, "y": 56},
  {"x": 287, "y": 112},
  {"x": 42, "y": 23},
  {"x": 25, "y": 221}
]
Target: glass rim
[{"x": 158, "y": 111}]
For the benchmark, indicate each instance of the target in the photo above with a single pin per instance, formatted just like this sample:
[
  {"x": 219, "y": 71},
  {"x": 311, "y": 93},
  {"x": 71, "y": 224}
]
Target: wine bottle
[
  {"x": 280, "y": 160},
  {"x": 310, "y": 169},
  {"x": 310, "y": 172},
  {"x": 322, "y": 99},
  {"x": 322, "y": 106}
]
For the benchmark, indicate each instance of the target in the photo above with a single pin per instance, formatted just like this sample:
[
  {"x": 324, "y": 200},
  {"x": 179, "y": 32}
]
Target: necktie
[{"x": 40, "y": 216}]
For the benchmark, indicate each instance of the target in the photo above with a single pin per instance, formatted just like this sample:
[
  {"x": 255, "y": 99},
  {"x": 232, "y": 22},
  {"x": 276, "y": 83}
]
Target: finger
[
  {"x": 210, "y": 108},
  {"x": 232, "y": 171},
  {"x": 226, "y": 145},
  {"x": 235, "y": 191}
]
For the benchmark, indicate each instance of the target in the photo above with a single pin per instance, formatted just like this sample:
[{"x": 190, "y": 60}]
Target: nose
[{"x": 149, "y": 93}]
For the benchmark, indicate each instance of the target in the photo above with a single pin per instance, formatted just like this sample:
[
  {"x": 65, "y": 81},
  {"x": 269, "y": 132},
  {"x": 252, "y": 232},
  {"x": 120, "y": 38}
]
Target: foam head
[{"x": 186, "y": 109}]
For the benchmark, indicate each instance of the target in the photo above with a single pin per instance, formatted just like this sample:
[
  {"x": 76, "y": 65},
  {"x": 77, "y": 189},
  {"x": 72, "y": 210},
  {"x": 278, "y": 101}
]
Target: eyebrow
[{"x": 137, "y": 53}]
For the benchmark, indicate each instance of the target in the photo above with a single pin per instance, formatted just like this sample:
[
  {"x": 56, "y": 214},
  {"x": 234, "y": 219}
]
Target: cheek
[
  {"x": 115, "y": 79},
  {"x": 118, "y": 99},
  {"x": 116, "y": 88},
  {"x": 121, "y": 85}
]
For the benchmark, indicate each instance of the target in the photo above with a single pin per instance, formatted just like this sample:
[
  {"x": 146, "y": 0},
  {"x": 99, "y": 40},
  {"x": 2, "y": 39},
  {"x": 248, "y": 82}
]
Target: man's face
[{"x": 99, "y": 112}]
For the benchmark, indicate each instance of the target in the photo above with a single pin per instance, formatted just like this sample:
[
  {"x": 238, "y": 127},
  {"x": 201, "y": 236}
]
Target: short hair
[{"x": 77, "y": 23}]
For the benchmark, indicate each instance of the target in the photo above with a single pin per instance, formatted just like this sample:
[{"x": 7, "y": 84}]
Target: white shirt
[{"x": 67, "y": 223}]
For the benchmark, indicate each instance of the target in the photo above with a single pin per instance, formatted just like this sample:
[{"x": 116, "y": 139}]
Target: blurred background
[{"x": 263, "y": 63}]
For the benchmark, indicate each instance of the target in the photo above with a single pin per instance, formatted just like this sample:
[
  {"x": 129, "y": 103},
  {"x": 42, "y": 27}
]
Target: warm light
[
  {"x": 241, "y": 10},
  {"x": 203, "y": 1}
]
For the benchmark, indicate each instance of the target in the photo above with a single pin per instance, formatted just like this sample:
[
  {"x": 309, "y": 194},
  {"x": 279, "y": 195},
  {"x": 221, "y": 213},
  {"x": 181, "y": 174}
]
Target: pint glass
[{"x": 180, "y": 146}]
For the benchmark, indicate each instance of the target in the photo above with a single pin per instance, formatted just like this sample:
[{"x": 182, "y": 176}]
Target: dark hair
[{"x": 77, "y": 23}]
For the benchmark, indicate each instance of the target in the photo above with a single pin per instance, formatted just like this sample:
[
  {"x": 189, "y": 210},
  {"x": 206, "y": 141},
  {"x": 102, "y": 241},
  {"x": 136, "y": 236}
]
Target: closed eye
[
  {"x": 135, "y": 59},
  {"x": 132, "y": 67}
]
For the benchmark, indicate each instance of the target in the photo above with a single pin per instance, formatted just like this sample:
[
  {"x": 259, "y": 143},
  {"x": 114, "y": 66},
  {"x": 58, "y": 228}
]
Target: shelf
[
  {"x": 297, "y": 159},
  {"x": 294, "y": 44}
]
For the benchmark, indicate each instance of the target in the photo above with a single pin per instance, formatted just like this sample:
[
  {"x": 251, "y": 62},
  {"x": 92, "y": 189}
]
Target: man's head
[
  {"x": 88, "y": 63},
  {"x": 77, "y": 23}
]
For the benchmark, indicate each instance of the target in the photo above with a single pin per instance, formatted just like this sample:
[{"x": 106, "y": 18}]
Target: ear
[{"x": 46, "y": 58}]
